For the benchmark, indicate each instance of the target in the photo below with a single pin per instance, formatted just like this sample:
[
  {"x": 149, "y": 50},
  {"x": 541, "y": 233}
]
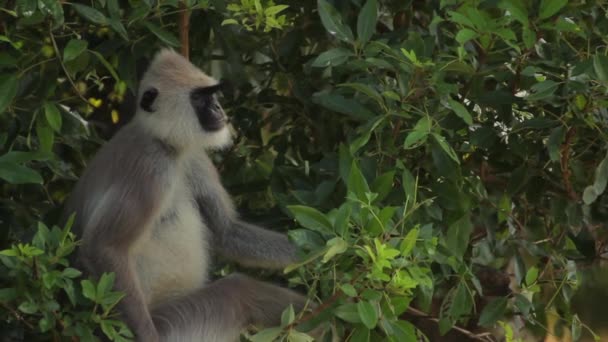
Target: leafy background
[{"x": 441, "y": 164}]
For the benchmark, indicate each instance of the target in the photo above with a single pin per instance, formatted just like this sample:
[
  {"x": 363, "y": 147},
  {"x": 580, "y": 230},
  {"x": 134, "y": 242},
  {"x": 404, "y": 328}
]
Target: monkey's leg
[{"x": 219, "y": 311}]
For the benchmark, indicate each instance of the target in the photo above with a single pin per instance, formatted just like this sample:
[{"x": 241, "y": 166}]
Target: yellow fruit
[
  {"x": 95, "y": 102},
  {"x": 47, "y": 51},
  {"x": 115, "y": 116}
]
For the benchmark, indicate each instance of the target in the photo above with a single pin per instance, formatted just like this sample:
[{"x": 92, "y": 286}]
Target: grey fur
[{"x": 152, "y": 209}]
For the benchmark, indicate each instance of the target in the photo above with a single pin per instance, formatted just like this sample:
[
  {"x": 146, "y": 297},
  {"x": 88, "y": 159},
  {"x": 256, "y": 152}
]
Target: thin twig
[
  {"x": 486, "y": 336},
  {"x": 330, "y": 301},
  {"x": 17, "y": 315},
  {"x": 65, "y": 70},
  {"x": 565, "y": 161}
]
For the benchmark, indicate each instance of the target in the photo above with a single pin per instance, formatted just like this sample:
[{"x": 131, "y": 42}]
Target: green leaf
[
  {"x": 333, "y": 23},
  {"x": 229, "y": 21},
  {"x": 403, "y": 331},
  {"x": 270, "y": 334},
  {"x": 10, "y": 252},
  {"x": 287, "y": 316},
  {"x": 54, "y": 9},
  {"x": 162, "y": 34},
  {"x": 106, "y": 64},
  {"x": 105, "y": 284},
  {"x": 348, "y": 290},
  {"x": 360, "y": 334},
  {"x": 529, "y": 37},
  {"x": 600, "y": 65},
  {"x": 73, "y": 49},
  {"x": 366, "y": 22},
  {"x": 549, "y": 8},
  {"x": 342, "y": 219},
  {"x": 336, "y": 246},
  {"x": 462, "y": 303},
  {"x": 113, "y": 8},
  {"x": 577, "y": 327},
  {"x": 419, "y": 133},
  {"x": 555, "y": 141},
  {"x": 407, "y": 245},
  {"x": 531, "y": 275},
  {"x": 460, "y": 19},
  {"x": 338, "y": 103},
  {"x": 19, "y": 174},
  {"x": 28, "y": 307},
  {"x": 492, "y": 312},
  {"x": 383, "y": 185},
  {"x": 357, "y": 183},
  {"x": 119, "y": 28},
  {"x": 542, "y": 90},
  {"x": 19, "y": 157},
  {"x": 348, "y": 312},
  {"x": 53, "y": 116},
  {"x": 88, "y": 289},
  {"x": 364, "y": 138},
  {"x": 90, "y": 14},
  {"x": 415, "y": 137},
  {"x": 504, "y": 208},
  {"x": 517, "y": 9},
  {"x": 461, "y": 111},
  {"x": 311, "y": 218},
  {"x": 589, "y": 195},
  {"x": 45, "y": 134},
  {"x": 465, "y": 35},
  {"x": 71, "y": 272},
  {"x": 601, "y": 176},
  {"x": 446, "y": 147},
  {"x": 49, "y": 279},
  {"x": 408, "y": 182},
  {"x": 367, "y": 314},
  {"x": 365, "y": 89},
  {"x": 8, "y": 84},
  {"x": 273, "y": 10},
  {"x": 332, "y": 57},
  {"x": 458, "y": 235}
]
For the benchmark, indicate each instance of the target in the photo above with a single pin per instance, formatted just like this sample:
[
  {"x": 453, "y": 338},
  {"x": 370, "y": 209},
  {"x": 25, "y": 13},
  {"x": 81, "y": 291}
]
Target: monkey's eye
[{"x": 147, "y": 99}]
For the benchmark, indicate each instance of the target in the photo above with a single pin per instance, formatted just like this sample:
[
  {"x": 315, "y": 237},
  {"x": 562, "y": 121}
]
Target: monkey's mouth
[{"x": 212, "y": 124}]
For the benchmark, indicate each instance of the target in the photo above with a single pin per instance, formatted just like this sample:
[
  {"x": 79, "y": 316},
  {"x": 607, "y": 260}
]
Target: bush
[{"x": 432, "y": 153}]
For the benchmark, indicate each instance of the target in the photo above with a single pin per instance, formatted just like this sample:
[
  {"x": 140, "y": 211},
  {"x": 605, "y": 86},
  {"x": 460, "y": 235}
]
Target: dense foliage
[{"x": 423, "y": 154}]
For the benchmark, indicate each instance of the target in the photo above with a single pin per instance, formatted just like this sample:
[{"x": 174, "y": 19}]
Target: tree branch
[{"x": 184, "y": 28}]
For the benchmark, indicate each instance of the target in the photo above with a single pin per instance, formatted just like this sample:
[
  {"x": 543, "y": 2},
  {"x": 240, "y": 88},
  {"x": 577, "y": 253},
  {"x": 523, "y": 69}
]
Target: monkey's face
[
  {"x": 178, "y": 102},
  {"x": 210, "y": 114}
]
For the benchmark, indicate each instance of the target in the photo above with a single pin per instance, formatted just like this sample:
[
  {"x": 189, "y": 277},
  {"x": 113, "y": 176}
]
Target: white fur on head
[{"x": 173, "y": 119}]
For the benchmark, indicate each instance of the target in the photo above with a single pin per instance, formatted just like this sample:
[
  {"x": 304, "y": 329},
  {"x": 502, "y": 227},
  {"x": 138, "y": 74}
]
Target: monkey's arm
[
  {"x": 253, "y": 246},
  {"x": 245, "y": 243}
]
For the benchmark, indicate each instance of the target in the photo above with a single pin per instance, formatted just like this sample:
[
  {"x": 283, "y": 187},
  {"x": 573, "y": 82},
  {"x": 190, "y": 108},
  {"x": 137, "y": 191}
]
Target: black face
[{"x": 210, "y": 114}]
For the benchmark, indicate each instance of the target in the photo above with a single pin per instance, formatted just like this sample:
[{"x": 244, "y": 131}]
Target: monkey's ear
[{"x": 147, "y": 99}]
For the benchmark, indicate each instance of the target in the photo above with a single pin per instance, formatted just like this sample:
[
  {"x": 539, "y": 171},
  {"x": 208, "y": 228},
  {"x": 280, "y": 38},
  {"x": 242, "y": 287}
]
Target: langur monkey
[{"x": 150, "y": 208}]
